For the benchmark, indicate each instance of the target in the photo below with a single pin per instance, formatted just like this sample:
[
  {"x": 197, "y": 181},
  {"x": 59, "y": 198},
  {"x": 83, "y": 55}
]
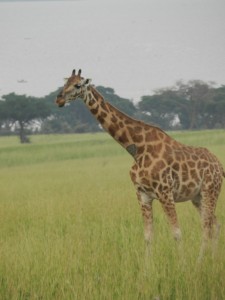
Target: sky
[{"x": 133, "y": 46}]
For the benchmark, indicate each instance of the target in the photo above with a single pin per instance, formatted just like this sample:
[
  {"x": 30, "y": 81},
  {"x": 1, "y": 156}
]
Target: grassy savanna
[{"x": 71, "y": 227}]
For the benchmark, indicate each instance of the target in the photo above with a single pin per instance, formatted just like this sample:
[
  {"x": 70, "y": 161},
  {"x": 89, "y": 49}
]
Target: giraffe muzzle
[{"x": 60, "y": 101}]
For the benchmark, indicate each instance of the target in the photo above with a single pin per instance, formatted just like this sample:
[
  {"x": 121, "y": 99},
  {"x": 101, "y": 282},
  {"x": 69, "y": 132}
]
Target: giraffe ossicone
[{"x": 163, "y": 168}]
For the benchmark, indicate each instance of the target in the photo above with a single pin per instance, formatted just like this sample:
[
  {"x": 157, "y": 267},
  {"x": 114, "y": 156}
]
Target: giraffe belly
[
  {"x": 146, "y": 190},
  {"x": 186, "y": 192}
]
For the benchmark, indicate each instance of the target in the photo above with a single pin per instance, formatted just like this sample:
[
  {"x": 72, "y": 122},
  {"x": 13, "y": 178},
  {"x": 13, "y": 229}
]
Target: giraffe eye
[{"x": 77, "y": 85}]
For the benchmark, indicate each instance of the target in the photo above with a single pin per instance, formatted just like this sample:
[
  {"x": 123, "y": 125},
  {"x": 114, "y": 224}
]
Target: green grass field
[{"x": 71, "y": 227}]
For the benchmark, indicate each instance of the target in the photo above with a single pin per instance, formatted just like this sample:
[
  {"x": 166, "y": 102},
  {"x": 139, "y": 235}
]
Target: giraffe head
[{"x": 74, "y": 88}]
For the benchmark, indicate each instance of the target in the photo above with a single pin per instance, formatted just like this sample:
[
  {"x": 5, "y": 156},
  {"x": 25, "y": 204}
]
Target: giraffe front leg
[
  {"x": 146, "y": 208},
  {"x": 170, "y": 211}
]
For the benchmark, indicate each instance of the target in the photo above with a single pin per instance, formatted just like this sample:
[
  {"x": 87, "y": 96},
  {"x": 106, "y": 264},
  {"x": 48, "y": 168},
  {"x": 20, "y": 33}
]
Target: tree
[
  {"x": 193, "y": 104},
  {"x": 20, "y": 110},
  {"x": 215, "y": 109},
  {"x": 160, "y": 109},
  {"x": 194, "y": 97}
]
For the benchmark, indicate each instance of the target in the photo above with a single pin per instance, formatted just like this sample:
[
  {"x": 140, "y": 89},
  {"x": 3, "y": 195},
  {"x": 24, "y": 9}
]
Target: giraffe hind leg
[
  {"x": 210, "y": 226},
  {"x": 216, "y": 234},
  {"x": 217, "y": 227},
  {"x": 216, "y": 230}
]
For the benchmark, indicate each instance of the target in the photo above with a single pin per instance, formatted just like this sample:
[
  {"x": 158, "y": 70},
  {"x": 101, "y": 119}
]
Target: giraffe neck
[{"x": 128, "y": 132}]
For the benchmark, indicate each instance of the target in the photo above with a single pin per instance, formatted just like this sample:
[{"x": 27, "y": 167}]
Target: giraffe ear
[{"x": 87, "y": 81}]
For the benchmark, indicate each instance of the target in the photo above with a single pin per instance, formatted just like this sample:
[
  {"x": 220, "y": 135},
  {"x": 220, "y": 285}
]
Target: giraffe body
[{"x": 163, "y": 168}]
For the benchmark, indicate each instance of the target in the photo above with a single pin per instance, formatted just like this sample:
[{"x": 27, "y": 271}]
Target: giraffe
[{"x": 163, "y": 169}]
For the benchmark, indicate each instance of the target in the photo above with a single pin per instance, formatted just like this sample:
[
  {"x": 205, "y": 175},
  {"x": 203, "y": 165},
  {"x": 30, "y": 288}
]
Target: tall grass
[{"x": 71, "y": 228}]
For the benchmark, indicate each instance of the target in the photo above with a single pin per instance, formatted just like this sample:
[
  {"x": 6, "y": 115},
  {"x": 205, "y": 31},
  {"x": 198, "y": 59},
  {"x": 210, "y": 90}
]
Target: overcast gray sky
[{"x": 134, "y": 46}]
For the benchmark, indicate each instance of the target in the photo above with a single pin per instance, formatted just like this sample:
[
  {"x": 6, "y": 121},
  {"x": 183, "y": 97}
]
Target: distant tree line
[
  {"x": 189, "y": 106},
  {"x": 192, "y": 105}
]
